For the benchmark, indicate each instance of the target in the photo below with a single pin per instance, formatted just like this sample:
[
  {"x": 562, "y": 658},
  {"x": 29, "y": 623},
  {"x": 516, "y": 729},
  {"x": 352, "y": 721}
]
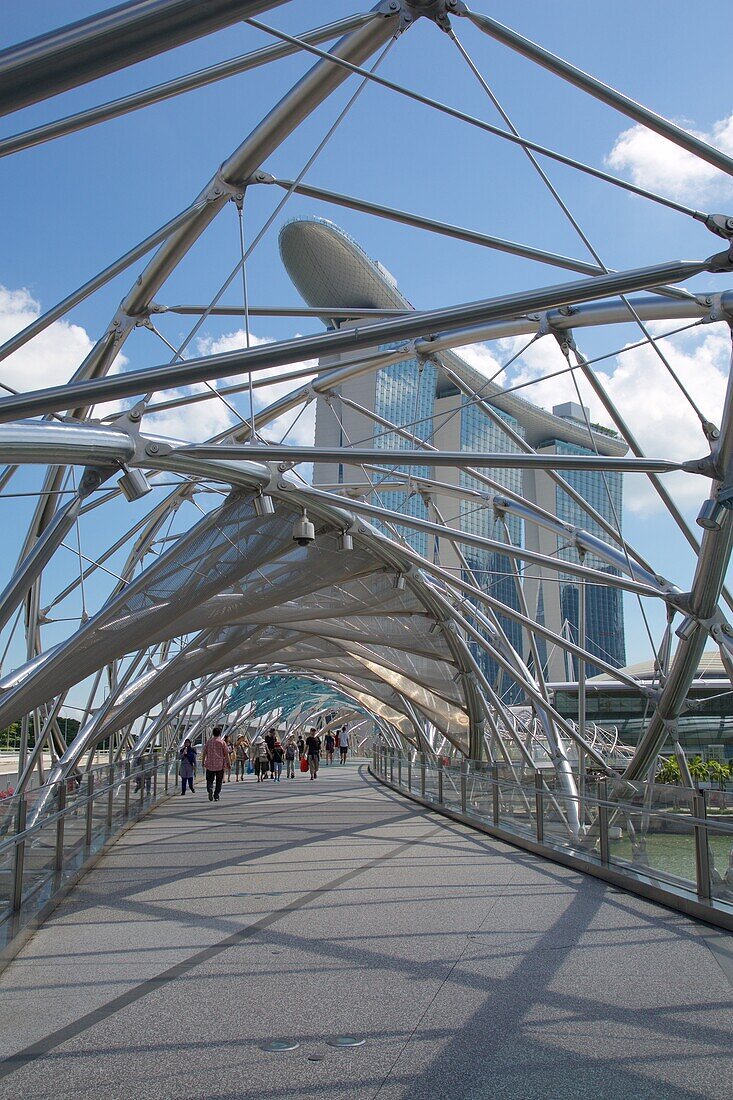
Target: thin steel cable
[
  {"x": 616, "y": 517},
  {"x": 286, "y": 197},
  {"x": 386, "y": 522},
  {"x": 466, "y": 402},
  {"x": 707, "y": 428},
  {"x": 446, "y": 417},
  {"x": 479, "y": 123},
  {"x": 84, "y": 615},
  {"x": 298, "y": 415},
  {"x": 577, "y": 227},
  {"x": 213, "y": 390},
  {"x": 245, "y": 303}
]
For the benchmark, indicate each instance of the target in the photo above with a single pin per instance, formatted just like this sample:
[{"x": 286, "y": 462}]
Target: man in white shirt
[{"x": 343, "y": 744}]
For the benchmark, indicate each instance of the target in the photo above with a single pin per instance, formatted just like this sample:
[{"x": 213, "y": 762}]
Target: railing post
[
  {"x": 391, "y": 765},
  {"x": 141, "y": 780},
  {"x": 603, "y": 821},
  {"x": 440, "y": 780},
  {"x": 19, "y": 859},
  {"x": 127, "y": 788},
  {"x": 155, "y": 775},
  {"x": 464, "y": 785},
  {"x": 539, "y": 803},
  {"x": 399, "y": 770},
  {"x": 495, "y": 793},
  {"x": 90, "y": 810},
  {"x": 110, "y": 795},
  {"x": 422, "y": 774},
  {"x": 58, "y": 861},
  {"x": 701, "y": 846},
  {"x": 166, "y": 773},
  {"x": 409, "y": 774}
]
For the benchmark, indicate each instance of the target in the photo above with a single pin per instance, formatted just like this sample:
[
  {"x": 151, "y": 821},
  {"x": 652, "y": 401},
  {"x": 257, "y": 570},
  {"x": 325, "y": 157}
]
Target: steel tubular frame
[
  {"x": 109, "y": 41},
  {"x": 464, "y": 617}
]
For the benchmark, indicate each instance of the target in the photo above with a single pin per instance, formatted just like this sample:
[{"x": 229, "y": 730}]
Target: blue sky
[{"x": 71, "y": 206}]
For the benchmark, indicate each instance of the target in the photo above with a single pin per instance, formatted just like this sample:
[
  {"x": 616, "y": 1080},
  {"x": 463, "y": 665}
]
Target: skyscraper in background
[{"x": 330, "y": 269}]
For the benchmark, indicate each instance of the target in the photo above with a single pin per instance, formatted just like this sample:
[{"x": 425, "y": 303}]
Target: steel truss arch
[{"x": 361, "y": 609}]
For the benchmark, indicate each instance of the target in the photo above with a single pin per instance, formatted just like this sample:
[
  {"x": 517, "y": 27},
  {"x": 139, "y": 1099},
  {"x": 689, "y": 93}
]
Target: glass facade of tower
[
  {"x": 604, "y": 606},
  {"x": 492, "y": 569},
  {"x": 405, "y": 395}
]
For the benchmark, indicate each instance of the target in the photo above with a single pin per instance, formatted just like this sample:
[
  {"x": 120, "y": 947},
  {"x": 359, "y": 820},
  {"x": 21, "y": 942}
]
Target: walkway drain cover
[
  {"x": 315, "y": 1057},
  {"x": 346, "y": 1041},
  {"x": 278, "y": 1046}
]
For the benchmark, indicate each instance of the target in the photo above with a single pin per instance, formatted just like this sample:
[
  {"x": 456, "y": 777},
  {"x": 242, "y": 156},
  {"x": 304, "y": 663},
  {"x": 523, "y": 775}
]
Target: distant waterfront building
[
  {"x": 705, "y": 727},
  {"x": 330, "y": 269}
]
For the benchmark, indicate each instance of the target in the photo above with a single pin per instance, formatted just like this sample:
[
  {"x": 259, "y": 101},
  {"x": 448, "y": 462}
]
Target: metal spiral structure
[{"x": 205, "y": 588}]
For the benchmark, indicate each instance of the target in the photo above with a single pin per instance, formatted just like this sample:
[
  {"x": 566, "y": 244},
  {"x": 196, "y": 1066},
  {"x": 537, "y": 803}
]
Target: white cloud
[
  {"x": 482, "y": 358},
  {"x": 193, "y": 423},
  {"x": 51, "y": 357},
  {"x": 303, "y": 432},
  {"x": 658, "y": 164},
  {"x": 651, "y": 403}
]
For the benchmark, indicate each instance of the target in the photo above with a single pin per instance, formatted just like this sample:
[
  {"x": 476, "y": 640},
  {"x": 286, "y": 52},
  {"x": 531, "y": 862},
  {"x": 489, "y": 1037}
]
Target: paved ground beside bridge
[{"x": 307, "y": 911}]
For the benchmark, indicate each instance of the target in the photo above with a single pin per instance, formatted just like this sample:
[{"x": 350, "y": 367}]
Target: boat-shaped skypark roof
[{"x": 329, "y": 268}]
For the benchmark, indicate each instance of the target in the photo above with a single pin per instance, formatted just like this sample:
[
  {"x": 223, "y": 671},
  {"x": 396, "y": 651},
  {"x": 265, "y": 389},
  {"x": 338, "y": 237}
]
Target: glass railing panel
[
  {"x": 659, "y": 843},
  {"x": 479, "y": 800},
  {"x": 517, "y": 807},
  {"x": 7, "y": 849},
  {"x": 431, "y": 782},
  {"x": 452, "y": 788},
  {"x": 720, "y": 855},
  {"x": 558, "y": 812},
  {"x": 652, "y": 832},
  {"x": 39, "y": 866}
]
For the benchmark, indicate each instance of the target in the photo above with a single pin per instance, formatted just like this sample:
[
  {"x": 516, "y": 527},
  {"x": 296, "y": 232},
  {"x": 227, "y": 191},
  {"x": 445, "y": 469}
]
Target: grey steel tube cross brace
[
  {"x": 132, "y": 383},
  {"x": 108, "y": 41}
]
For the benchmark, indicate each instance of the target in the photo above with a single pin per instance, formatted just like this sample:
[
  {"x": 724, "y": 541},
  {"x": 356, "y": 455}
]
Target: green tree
[
  {"x": 669, "y": 770},
  {"x": 698, "y": 769},
  {"x": 718, "y": 772}
]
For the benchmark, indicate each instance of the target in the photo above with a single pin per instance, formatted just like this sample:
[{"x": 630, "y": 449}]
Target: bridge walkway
[{"x": 308, "y": 911}]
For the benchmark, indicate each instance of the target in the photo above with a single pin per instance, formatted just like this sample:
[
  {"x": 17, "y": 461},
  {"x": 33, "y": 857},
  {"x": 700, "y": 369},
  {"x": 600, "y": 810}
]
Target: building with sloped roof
[{"x": 329, "y": 269}]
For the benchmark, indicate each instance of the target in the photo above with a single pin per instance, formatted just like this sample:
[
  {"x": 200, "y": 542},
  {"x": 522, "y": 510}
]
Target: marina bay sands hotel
[{"x": 330, "y": 269}]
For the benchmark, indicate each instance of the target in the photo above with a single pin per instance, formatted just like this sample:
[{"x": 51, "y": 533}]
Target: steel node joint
[
  {"x": 719, "y": 224},
  {"x": 411, "y": 10},
  {"x": 707, "y": 467},
  {"x": 220, "y": 188},
  {"x": 721, "y": 263}
]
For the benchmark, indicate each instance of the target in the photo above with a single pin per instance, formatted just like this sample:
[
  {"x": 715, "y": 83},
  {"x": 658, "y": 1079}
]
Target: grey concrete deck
[{"x": 312, "y": 910}]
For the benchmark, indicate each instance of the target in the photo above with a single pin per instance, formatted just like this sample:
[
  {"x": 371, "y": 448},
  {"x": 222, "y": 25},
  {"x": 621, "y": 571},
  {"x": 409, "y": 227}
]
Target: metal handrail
[
  {"x": 66, "y": 866},
  {"x": 591, "y": 850},
  {"x": 82, "y": 800}
]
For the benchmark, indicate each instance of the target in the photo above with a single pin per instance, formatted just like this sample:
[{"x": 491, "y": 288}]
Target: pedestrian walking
[
  {"x": 313, "y": 749},
  {"x": 290, "y": 751},
  {"x": 329, "y": 742},
  {"x": 215, "y": 757},
  {"x": 278, "y": 755},
  {"x": 229, "y": 760},
  {"x": 301, "y": 746},
  {"x": 260, "y": 760},
  {"x": 344, "y": 744},
  {"x": 240, "y": 760},
  {"x": 270, "y": 739},
  {"x": 187, "y": 766}
]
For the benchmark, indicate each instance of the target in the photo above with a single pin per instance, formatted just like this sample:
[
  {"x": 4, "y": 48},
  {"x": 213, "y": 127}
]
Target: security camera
[{"x": 304, "y": 532}]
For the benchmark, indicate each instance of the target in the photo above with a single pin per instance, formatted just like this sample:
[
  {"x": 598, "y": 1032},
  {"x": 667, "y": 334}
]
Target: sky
[{"x": 73, "y": 205}]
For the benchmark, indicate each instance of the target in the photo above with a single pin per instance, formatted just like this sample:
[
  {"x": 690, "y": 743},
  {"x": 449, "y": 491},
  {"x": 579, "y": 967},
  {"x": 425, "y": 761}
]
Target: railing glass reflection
[
  {"x": 675, "y": 841},
  {"x": 40, "y": 860}
]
